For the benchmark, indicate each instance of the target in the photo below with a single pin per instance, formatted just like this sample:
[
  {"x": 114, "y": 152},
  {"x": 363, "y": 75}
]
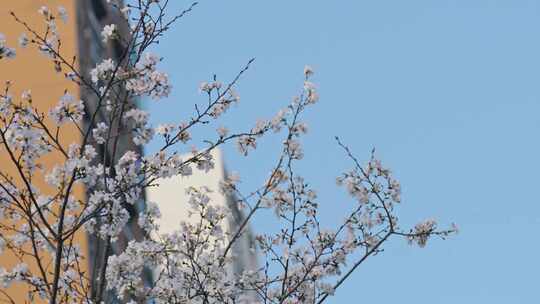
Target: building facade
[
  {"x": 80, "y": 40},
  {"x": 92, "y": 16}
]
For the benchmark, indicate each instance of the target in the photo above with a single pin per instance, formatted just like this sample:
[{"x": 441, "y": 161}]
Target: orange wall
[{"x": 31, "y": 70}]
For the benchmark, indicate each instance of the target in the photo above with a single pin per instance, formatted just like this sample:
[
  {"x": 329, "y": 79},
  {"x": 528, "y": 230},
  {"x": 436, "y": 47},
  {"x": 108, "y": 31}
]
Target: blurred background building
[
  {"x": 92, "y": 16},
  {"x": 81, "y": 39}
]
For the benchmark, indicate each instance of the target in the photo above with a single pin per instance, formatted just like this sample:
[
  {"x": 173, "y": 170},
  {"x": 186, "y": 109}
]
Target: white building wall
[{"x": 172, "y": 200}]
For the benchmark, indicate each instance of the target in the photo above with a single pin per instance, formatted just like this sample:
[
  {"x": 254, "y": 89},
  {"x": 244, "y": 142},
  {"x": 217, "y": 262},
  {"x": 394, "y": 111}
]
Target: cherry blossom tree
[{"x": 301, "y": 263}]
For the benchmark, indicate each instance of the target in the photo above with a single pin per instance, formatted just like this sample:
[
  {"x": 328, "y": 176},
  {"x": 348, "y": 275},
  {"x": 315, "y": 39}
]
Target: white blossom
[
  {"x": 5, "y": 51},
  {"x": 102, "y": 70},
  {"x": 108, "y": 32},
  {"x": 48, "y": 47},
  {"x": 23, "y": 40},
  {"x": 100, "y": 132},
  {"x": 68, "y": 108},
  {"x": 62, "y": 13}
]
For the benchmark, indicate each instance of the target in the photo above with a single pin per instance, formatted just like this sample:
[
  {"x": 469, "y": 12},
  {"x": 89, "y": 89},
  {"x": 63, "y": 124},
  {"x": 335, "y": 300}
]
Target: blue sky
[{"x": 446, "y": 91}]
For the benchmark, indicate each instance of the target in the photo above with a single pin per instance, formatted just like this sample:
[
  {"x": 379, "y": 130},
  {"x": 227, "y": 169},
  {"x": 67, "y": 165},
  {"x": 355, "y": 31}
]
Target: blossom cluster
[
  {"x": 68, "y": 108},
  {"x": 5, "y": 51},
  {"x": 146, "y": 80}
]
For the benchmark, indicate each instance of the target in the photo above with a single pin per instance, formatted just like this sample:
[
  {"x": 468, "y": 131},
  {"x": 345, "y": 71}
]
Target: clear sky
[{"x": 446, "y": 91}]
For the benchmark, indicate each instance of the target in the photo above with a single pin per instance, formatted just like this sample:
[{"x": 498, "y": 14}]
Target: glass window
[{"x": 99, "y": 9}]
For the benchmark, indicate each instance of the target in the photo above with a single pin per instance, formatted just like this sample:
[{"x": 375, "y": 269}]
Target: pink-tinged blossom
[
  {"x": 311, "y": 92},
  {"x": 222, "y": 131},
  {"x": 308, "y": 71},
  {"x": 196, "y": 262},
  {"x": 294, "y": 149},
  {"x": 246, "y": 142},
  {"x": 165, "y": 129},
  {"x": 260, "y": 127},
  {"x": 209, "y": 87},
  {"x": 422, "y": 232},
  {"x": 277, "y": 121},
  {"x": 26, "y": 95},
  {"x": 145, "y": 79},
  {"x": 43, "y": 10},
  {"x": 300, "y": 128},
  {"x": 183, "y": 135}
]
